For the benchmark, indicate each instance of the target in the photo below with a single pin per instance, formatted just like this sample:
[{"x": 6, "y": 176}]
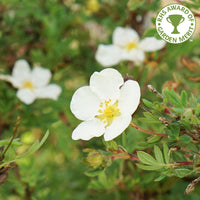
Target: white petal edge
[
  {"x": 129, "y": 97},
  {"x": 106, "y": 84},
  {"x": 135, "y": 55},
  {"x": 88, "y": 129},
  {"x": 118, "y": 125},
  {"x": 15, "y": 82},
  {"x": 84, "y": 104},
  {"x": 123, "y": 36},
  {"x": 150, "y": 44},
  {"x": 40, "y": 76},
  {"x": 51, "y": 91},
  {"x": 21, "y": 70},
  {"x": 5, "y": 77},
  {"x": 108, "y": 55},
  {"x": 26, "y": 96}
]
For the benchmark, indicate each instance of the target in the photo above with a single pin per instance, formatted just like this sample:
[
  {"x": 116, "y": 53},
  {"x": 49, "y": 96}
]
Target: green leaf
[
  {"x": 103, "y": 178},
  {"x": 178, "y": 110},
  {"x": 9, "y": 155},
  {"x": 153, "y": 139},
  {"x": 151, "y": 32},
  {"x": 197, "y": 109},
  {"x": 135, "y": 4},
  {"x": 124, "y": 139},
  {"x": 34, "y": 147},
  {"x": 195, "y": 120},
  {"x": 147, "y": 103},
  {"x": 166, "y": 153},
  {"x": 149, "y": 167},
  {"x": 93, "y": 173},
  {"x": 173, "y": 130},
  {"x": 149, "y": 118},
  {"x": 160, "y": 178},
  {"x": 184, "y": 98},
  {"x": 146, "y": 158},
  {"x": 158, "y": 107},
  {"x": 111, "y": 145},
  {"x": 158, "y": 154},
  {"x": 185, "y": 138},
  {"x": 172, "y": 97},
  {"x": 182, "y": 172},
  {"x": 15, "y": 142}
]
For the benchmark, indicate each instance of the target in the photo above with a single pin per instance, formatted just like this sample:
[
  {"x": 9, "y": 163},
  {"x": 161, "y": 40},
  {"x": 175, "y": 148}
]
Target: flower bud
[{"x": 94, "y": 158}]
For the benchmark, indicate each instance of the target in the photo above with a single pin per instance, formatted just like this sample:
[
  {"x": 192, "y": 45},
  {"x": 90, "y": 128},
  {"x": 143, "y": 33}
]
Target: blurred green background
[{"x": 63, "y": 35}]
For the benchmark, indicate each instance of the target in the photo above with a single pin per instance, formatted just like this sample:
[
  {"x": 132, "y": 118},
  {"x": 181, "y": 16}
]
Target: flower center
[
  {"x": 131, "y": 45},
  {"x": 108, "y": 112},
  {"x": 28, "y": 85}
]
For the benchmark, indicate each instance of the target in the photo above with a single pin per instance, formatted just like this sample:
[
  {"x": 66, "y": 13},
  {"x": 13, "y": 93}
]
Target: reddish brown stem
[
  {"x": 64, "y": 119},
  {"x": 147, "y": 131},
  {"x": 132, "y": 157},
  {"x": 124, "y": 156},
  {"x": 184, "y": 163}
]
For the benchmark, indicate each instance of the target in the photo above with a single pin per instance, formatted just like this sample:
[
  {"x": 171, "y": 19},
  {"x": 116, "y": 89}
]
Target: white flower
[
  {"x": 105, "y": 106},
  {"x": 32, "y": 84},
  {"x": 126, "y": 46}
]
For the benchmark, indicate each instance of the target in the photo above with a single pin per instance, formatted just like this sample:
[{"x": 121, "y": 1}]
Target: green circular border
[{"x": 181, "y": 5}]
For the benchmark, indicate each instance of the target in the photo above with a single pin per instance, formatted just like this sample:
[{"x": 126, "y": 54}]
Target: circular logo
[{"x": 175, "y": 23}]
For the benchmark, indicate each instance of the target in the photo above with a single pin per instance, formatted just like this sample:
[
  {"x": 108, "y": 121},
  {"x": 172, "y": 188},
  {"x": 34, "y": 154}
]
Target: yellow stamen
[
  {"x": 110, "y": 112},
  {"x": 131, "y": 45},
  {"x": 28, "y": 85}
]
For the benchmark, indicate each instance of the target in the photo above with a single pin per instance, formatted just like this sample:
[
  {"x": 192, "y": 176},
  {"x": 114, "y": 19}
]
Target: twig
[
  {"x": 64, "y": 119},
  {"x": 146, "y": 109},
  {"x": 153, "y": 89},
  {"x": 28, "y": 191},
  {"x": 191, "y": 186},
  {"x": 14, "y": 109},
  {"x": 132, "y": 124},
  {"x": 149, "y": 77},
  {"x": 13, "y": 137},
  {"x": 124, "y": 156},
  {"x": 132, "y": 157},
  {"x": 188, "y": 150}
]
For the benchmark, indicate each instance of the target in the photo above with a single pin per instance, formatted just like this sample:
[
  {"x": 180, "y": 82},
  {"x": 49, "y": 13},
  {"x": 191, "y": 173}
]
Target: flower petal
[
  {"x": 118, "y": 125},
  {"x": 5, "y": 77},
  {"x": 123, "y": 36},
  {"x": 40, "y": 76},
  {"x": 51, "y": 91},
  {"x": 106, "y": 84},
  {"x": 84, "y": 104},
  {"x": 151, "y": 44},
  {"x": 108, "y": 55},
  {"x": 14, "y": 81},
  {"x": 88, "y": 129},
  {"x": 21, "y": 71},
  {"x": 135, "y": 55},
  {"x": 26, "y": 96},
  {"x": 129, "y": 97}
]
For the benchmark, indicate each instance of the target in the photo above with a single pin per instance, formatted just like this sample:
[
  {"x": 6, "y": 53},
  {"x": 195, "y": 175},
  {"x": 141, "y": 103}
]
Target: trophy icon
[{"x": 175, "y": 20}]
